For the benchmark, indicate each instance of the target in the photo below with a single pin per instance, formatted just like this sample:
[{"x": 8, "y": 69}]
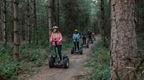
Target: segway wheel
[
  {"x": 66, "y": 62},
  {"x": 91, "y": 42},
  {"x": 51, "y": 62},
  {"x": 72, "y": 51},
  {"x": 87, "y": 46},
  {"x": 81, "y": 52}
]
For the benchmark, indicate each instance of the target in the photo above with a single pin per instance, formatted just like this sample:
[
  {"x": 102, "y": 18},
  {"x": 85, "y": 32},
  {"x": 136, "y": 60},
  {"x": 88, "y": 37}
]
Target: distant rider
[
  {"x": 76, "y": 39},
  {"x": 89, "y": 33},
  {"x": 84, "y": 37}
]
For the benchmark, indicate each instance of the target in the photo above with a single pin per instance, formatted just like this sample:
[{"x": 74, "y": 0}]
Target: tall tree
[
  {"x": 57, "y": 12},
  {"x": 16, "y": 32},
  {"x": 123, "y": 40},
  {"x": 29, "y": 26},
  {"x": 102, "y": 21},
  {"x": 50, "y": 15},
  {"x": 35, "y": 21},
  {"x": 3, "y": 20}
]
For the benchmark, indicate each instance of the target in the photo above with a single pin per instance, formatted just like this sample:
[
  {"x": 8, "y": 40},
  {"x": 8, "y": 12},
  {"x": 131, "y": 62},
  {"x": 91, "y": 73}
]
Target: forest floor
[{"x": 76, "y": 71}]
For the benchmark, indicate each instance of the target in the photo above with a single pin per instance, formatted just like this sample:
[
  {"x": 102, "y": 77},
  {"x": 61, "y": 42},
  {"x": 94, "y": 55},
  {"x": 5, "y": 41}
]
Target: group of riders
[{"x": 56, "y": 39}]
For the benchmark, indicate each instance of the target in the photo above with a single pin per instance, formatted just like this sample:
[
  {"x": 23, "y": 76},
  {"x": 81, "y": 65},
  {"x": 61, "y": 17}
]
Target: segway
[
  {"x": 85, "y": 44},
  {"x": 90, "y": 41},
  {"x": 76, "y": 51},
  {"x": 54, "y": 60}
]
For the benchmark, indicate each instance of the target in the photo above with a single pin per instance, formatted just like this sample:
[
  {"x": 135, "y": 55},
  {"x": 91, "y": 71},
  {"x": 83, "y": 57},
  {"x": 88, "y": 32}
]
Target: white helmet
[{"x": 55, "y": 27}]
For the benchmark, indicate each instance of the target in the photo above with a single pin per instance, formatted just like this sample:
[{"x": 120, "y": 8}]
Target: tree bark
[
  {"x": 0, "y": 20},
  {"x": 16, "y": 32},
  {"x": 50, "y": 15},
  {"x": 35, "y": 22},
  {"x": 54, "y": 16},
  {"x": 3, "y": 21},
  {"x": 57, "y": 12},
  {"x": 123, "y": 40},
  {"x": 29, "y": 27},
  {"x": 102, "y": 22}
]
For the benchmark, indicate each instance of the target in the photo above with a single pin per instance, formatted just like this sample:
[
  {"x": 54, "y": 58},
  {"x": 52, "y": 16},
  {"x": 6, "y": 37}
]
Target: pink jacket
[{"x": 56, "y": 37}]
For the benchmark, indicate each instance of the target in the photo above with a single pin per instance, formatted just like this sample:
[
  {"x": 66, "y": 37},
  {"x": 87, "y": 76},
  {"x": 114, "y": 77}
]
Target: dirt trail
[{"x": 76, "y": 71}]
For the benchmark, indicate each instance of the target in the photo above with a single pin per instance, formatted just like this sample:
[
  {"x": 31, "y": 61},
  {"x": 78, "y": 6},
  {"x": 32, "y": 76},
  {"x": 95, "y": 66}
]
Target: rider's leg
[
  {"x": 78, "y": 45},
  {"x": 84, "y": 40},
  {"x": 75, "y": 45},
  {"x": 89, "y": 39},
  {"x": 59, "y": 51},
  {"x": 55, "y": 49}
]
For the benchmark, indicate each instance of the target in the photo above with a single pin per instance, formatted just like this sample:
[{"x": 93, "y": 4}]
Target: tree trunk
[
  {"x": 0, "y": 20},
  {"x": 28, "y": 21},
  {"x": 54, "y": 12},
  {"x": 102, "y": 22},
  {"x": 35, "y": 22},
  {"x": 3, "y": 20},
  {"x": 57, "y": 22},
  {"x": 123, "y": 40},
  {"x": 16, "y": 32},
  {"x": 50, "y": 15}
]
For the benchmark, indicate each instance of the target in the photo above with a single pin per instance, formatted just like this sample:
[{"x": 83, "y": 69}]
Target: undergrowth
[
  {"x": 99, "y": 63},
  {"x": 31, "y": 56}
]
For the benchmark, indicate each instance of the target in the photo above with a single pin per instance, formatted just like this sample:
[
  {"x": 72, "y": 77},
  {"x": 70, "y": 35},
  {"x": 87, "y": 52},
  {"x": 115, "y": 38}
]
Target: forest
[{"x": 117, "y": 51}]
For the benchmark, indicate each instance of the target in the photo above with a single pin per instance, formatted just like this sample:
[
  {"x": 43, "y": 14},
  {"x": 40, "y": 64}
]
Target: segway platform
[
  {"x": 85, "y": 45},
  {"x": 73, "y": 51},
  {"x": 54, "y": 63}
]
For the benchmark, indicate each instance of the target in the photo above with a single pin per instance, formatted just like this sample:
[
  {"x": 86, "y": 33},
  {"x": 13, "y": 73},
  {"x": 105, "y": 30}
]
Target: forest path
[{"x": 76, "y": 71}]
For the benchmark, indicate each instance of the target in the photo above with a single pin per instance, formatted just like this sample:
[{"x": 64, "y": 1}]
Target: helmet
[
  {"x": 75, "y": 30},
  {"x": 55, "y": 27}
]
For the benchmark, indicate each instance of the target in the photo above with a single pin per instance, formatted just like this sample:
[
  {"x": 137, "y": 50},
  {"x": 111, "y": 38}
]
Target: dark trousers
[
  {"x": 76, "y": 45},
  {"x": 90, "y": 39},
  {"x": 58, "y": 49},
  {"x": 84, "y": 40}
]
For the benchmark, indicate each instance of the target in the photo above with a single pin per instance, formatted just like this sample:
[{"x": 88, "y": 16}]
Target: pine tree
[
  {"x": 3, "y": 21},
  {"x": 16, "y": 32},
  {"x": 123, "y": 40}
]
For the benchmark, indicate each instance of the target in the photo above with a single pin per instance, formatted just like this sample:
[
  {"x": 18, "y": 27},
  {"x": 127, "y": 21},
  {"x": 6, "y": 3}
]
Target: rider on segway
[
  {"x": 89, "y": 33},
  {"x": 84, "y": 38},
  {"x": 76, "y": 40},
  {"x": 57, "y": 59},
  {"x": 56, "y": 41},
  {"x": 93, "y": 36}
]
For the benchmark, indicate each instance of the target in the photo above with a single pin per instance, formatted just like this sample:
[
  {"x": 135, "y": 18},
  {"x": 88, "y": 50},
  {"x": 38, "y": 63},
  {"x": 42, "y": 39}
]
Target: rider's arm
[
  {"x": 60, "y": 35},
  {"x": 73, "y": 36},
  {"x": 79, "y": 36},
  {"x": 51, "y": 36}
]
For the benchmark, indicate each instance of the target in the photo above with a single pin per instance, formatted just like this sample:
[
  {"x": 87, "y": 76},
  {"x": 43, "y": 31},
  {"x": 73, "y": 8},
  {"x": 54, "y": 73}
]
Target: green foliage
[
  {"x": 32, "y": 55},
  {"x": 9, "y": 70},
  {"x": 7, "y": 66},
  {"x": 99, "y": 63}
]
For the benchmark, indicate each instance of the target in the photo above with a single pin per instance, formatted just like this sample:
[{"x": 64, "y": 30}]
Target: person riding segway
[
  {"x": 84, "y": 40},
  {"x": 76, "y": 40},
  {"x": 93, "y": 36},
  {"x": 89, "y": 33},
  {"x": 57, "y": 59}
]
